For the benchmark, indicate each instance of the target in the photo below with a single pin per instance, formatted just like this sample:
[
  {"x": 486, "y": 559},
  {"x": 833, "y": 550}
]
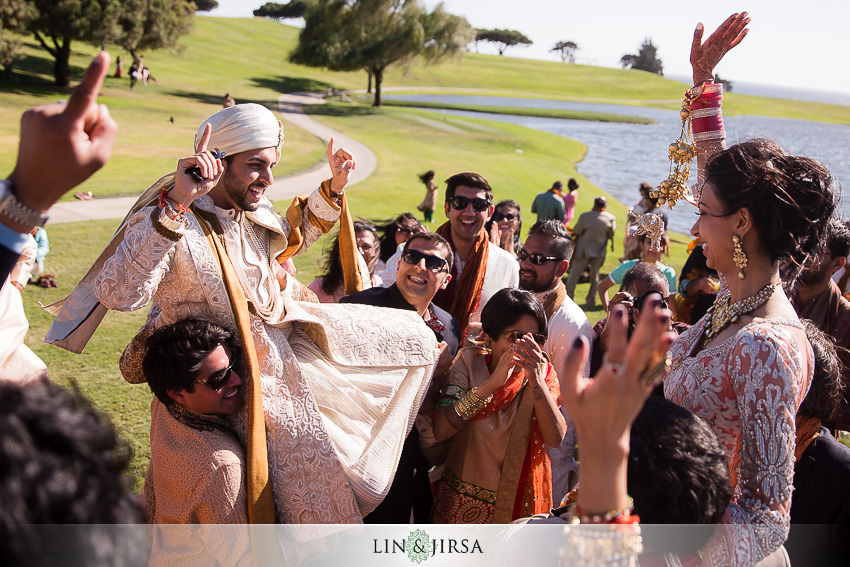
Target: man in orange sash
[{"x": 481, "y": 268}]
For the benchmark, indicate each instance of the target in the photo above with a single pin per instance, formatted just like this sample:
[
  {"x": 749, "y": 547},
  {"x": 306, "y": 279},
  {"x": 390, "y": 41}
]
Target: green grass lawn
[{"x": 247, "y": 58}]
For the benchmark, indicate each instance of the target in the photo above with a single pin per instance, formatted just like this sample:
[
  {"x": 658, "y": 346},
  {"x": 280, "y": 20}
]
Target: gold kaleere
[{"x": 680, "y": 153}]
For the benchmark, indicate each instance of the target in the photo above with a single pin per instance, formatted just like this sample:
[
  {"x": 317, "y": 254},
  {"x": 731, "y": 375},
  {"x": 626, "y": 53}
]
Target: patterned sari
[{"x": 498, "y": 468}]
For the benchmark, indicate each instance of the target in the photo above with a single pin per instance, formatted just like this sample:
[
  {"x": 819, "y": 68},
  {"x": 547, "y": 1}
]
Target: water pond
[{"x": 620, "y": 156}]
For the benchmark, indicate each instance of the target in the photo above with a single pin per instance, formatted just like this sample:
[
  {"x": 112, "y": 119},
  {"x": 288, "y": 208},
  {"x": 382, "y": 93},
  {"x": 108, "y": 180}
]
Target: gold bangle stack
[{"x": 470, "y": 404}]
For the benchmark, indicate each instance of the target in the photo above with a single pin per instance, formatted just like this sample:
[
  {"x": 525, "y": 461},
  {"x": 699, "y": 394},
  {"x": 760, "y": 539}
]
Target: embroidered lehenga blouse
[
  {"x": 498, "y": 468},
  {"x": 748, "y": 388}
]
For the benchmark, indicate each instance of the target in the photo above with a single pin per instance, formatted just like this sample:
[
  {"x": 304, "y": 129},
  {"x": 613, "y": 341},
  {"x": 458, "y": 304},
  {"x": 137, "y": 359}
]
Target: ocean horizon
[{"x": 780, "y": 91}]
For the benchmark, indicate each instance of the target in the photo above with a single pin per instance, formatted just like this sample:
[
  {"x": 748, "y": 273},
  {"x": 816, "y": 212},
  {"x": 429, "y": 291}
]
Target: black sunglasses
[
  {"x": 220, "y": 379},
  {"x": 641, "y": 299},
  {"x": 536, "y": 259},
  {"x": 514, "y": 336},
  {"x": 433, "y": 263},
  {"x": 502, "y": 216},
  {"x": 460, "y": 203}
]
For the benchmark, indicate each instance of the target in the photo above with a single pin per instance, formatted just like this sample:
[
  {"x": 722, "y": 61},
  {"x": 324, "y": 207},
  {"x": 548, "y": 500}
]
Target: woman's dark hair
[
  {"x": 427, "y": 176},
  {"x": 508, "y": 203},
  {"x": 790, "y": 198},
  {"x": 175, "y": 352},
  {"x": 333, "y": 276},
  {"x": 825, "y": 391},
  {"x": 506, "y": 307},
  {"x": 387, "y": 232},
  {"x": 572, "y": 185},
  {"x": 645, "y": 189}
]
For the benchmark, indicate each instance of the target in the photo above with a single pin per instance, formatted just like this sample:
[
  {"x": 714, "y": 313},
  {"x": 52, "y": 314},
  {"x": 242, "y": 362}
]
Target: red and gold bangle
[{"x": 705, "y": 112}]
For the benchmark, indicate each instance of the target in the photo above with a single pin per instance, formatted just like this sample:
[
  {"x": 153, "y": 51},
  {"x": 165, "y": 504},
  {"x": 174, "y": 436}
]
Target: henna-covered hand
[{"x": 705, "y": 56}]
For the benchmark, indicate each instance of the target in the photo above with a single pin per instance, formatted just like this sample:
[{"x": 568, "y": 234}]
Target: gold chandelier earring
[{"x": 738, "y": 256}]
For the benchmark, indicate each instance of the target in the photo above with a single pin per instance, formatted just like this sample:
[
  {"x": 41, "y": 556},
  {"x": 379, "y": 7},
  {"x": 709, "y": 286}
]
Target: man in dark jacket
[{"x": 424, "y": 268}]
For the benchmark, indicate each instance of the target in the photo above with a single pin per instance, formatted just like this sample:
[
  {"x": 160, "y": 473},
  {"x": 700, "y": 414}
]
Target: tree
[
  {"x": 58, "y": 23},
  {"x": 646, "y": 59},
  {"x": 205, "y": 5},
  {"x": 292, "y": 9},
  {"x": 502, "y": 38},
  {"x": 153, "y": 24},
  {"x": 727, "y": 84},
  {"x": 371, "y": 35},
  {"x": 567, "y": 51},
  {"x": 15, "y": 15}
]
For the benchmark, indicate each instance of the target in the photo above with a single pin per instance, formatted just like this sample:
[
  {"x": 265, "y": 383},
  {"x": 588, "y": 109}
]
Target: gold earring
[{"x": 738, "y": 256}]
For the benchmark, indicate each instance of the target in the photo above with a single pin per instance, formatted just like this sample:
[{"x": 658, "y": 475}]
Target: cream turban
[
  {"x": 235, "y": 129},
  {"x": 243, "y": 127}
]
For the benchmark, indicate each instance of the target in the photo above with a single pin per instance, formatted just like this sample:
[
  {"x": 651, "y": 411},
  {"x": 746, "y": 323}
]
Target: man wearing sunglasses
[
  {"x": 480, "y": 268},
  {"x": 543, "y": 261},
  {"x": 197, "y": 468},
  {"x": 424, "y": 268}
]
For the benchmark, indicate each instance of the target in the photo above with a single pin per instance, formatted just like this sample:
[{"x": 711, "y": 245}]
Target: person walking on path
[
  {"x": 549, "y": 204},
  {"x": 592, "y": 232},
  {"x": 429, "y": 203}
]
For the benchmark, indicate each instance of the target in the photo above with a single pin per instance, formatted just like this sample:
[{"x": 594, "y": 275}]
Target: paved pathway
[{"x": 287, "y": 187}]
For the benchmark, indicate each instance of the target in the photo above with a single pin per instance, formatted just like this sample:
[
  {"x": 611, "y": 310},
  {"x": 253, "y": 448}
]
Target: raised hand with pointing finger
[
  {"x": 187, "y": 186},
  {"x": 62, "y": 145}
]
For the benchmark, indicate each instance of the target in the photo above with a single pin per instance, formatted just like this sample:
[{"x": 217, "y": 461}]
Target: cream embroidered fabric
[
  {"x": 748, "y": 388},
  {"x": 330, "y": 459}
]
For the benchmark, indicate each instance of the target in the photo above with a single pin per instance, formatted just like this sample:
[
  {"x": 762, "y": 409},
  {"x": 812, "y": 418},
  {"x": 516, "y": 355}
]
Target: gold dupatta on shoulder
[{"x": 260, "y": 500}]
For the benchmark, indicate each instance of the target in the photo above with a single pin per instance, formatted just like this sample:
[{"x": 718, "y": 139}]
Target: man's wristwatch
[{"x": 13, "y": 209}]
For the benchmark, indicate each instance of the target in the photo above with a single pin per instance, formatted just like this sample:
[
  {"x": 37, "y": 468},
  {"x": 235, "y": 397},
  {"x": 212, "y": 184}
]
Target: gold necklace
[{"x": 721, "y": 314}]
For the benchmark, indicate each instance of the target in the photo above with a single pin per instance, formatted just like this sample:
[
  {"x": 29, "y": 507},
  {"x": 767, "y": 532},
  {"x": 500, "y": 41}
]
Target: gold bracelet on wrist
[{"x": 470, "y": 404}]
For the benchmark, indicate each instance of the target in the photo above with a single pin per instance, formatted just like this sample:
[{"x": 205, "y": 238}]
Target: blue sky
[{"x": 794, "y": 44}]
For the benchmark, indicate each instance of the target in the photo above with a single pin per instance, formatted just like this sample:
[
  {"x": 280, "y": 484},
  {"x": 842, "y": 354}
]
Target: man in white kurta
[
  {"x": 468, "y": 206},
  {"x": 341, "y": 385},
  {"x": 544, "y": 260}
]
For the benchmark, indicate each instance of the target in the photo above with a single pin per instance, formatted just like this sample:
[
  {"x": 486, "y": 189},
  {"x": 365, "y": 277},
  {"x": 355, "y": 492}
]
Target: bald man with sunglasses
[{"x": 197, "y": 468}]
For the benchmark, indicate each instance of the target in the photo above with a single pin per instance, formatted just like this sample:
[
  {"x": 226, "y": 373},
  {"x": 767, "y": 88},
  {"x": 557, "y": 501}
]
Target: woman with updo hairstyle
[
  {"x": 747, "y": 364},
  {"x": 501, "y": 410}
]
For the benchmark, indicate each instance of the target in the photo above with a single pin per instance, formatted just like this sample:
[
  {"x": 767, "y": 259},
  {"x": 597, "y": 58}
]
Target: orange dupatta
[
  {"x": 462, "y": 295},
  {"x": 525, "y": 475}
]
